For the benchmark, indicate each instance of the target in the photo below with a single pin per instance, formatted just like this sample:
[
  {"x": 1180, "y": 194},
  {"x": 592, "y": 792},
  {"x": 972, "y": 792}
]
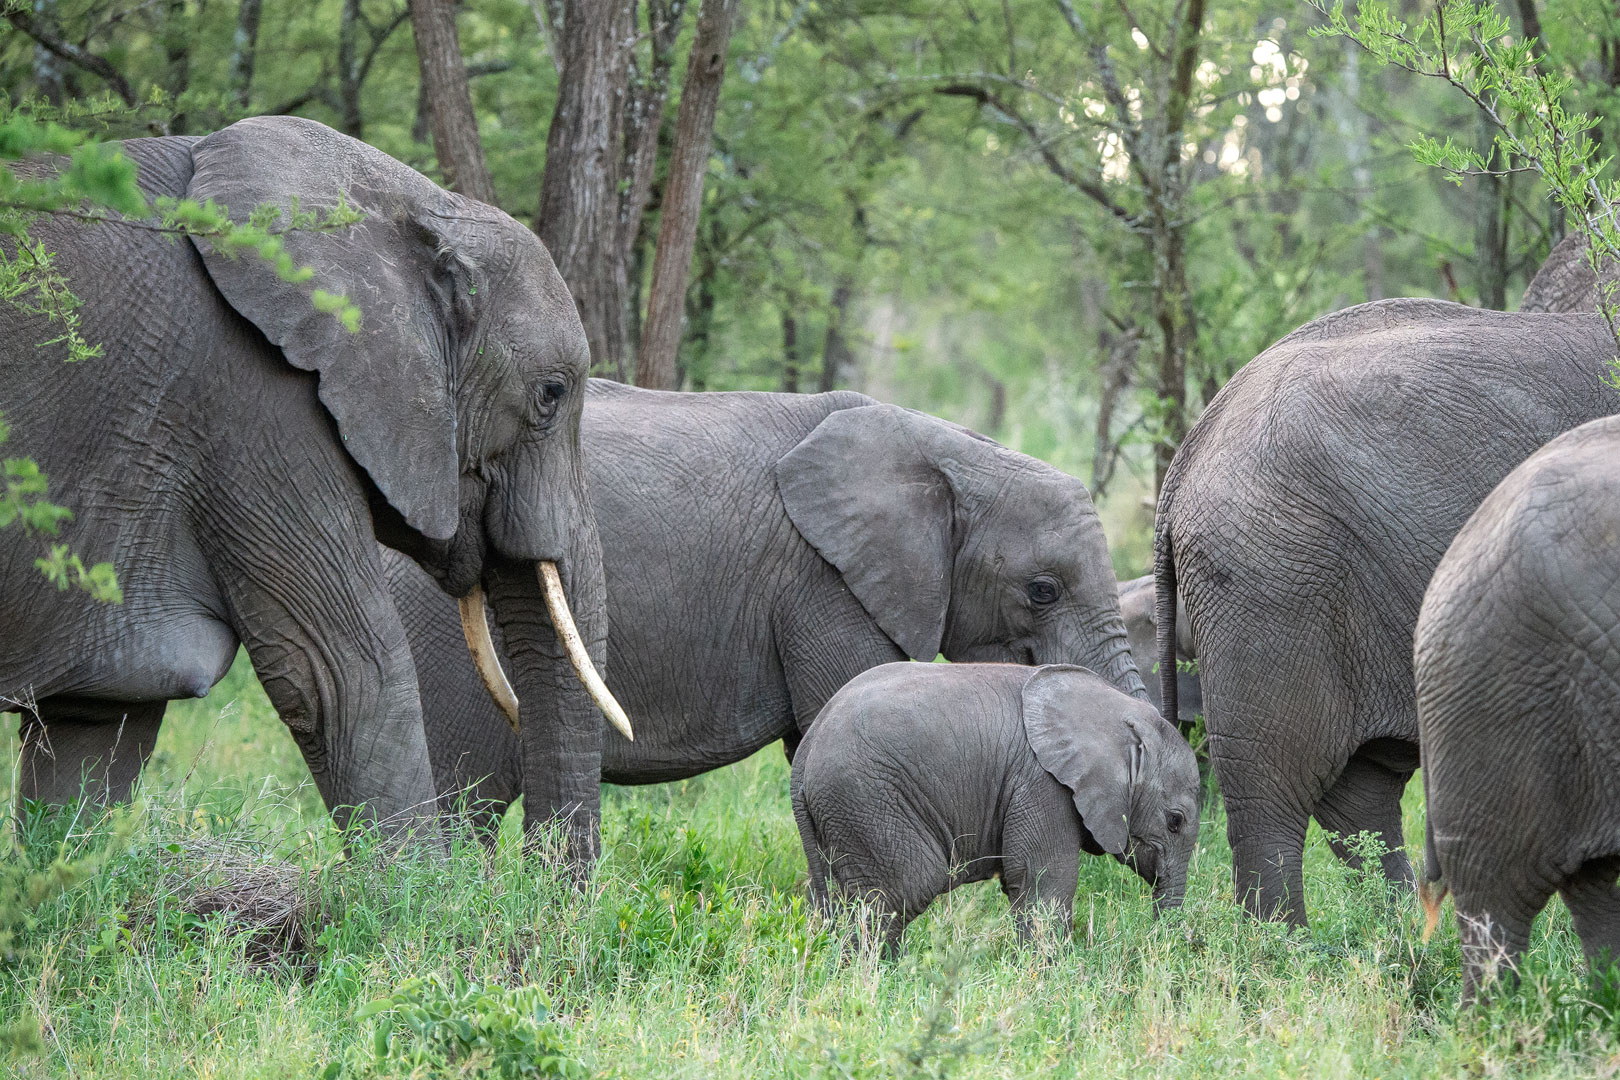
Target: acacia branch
[
  {"x": 77, "y": 55},
  {"x": 1087, "y": 187}
]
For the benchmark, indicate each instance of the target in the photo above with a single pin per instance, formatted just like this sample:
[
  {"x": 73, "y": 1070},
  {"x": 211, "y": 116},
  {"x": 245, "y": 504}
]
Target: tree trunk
[
  {"x": 835, "y": 354},
  {"x": 1119, "y": 349},
  {"x": 53, "y": 79},
  {"x": 176, "y": 61},
  {"x": 1530, "y": 23},
  {"x": 579, "y": 193},
  {"x": 1490, "y": 233},
  {"x": 448, "y": 97},
  {"x": 701, "y": 306},
  {"x": 683, "y": 194},
  {"x": 244, "y": 49},
  {"x": 790, "y": 353},
  {"x": 349, "y": 70},
  {"x": 644, "y": 118},
  {"x": 998, "y": 406},
  {"x": 1172, "y": 302}
]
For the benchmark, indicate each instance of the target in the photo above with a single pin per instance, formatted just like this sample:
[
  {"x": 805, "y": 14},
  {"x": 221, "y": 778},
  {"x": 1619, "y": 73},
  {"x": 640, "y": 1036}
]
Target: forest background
[{"x": 1064, "y": 223}]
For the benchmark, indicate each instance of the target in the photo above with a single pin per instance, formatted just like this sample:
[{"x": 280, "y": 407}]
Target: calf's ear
[{"x": 1081, "y": 730}]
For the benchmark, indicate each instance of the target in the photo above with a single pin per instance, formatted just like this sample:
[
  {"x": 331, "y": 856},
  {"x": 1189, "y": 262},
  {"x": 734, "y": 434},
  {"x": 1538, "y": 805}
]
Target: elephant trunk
[
  {"x": 559, "y": 727},
  {"x": 475, "y": 627},
  {"x": 545, "y": 582},
  {"x": 1105, "y": 648},
  {"x": 1169, "y": 896}
]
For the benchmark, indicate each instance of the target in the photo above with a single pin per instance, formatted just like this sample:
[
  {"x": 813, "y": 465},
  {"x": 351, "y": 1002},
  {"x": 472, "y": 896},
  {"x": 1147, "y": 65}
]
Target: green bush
[{"x": 428, "y": 1027}]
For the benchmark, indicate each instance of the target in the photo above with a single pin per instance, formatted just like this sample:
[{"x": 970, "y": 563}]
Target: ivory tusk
[
  {"x": 568, "y": 634},
  {"x": 475, "y": 627}
]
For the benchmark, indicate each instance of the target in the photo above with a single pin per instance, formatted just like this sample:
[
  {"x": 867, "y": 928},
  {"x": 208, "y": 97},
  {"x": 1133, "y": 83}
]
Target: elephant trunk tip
[{"x": 1430, "y": 895}]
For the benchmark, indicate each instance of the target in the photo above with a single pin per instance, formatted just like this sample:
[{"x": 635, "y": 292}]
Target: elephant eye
[
  {"x": 1042, "y": 591},
  {"x": 1174, "y": 821},
  {"x": 547, "y": 396}
]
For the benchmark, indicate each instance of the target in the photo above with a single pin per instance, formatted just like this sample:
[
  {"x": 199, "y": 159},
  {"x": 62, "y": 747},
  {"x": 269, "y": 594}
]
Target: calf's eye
[{"x": 1174, "y": 821}]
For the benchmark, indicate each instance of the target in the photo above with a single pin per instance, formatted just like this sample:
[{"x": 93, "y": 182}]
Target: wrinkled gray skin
[
  {"x": 917, "y": 778},
  {"x": 763, "y": 549},
  {"x": 1138, "y": 606},
  {"x": 1565, "y": 281},
  {"x": 1302, "y": 519},
  {"x": 1518, "y": 693},
  {"x": 237, "y": 455}
]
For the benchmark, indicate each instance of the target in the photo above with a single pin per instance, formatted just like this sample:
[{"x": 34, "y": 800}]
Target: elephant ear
[
  {"x": 865, "y": 494},
  {"x": 1082, "y": 732},
  {"x": 388, "y": 385}
]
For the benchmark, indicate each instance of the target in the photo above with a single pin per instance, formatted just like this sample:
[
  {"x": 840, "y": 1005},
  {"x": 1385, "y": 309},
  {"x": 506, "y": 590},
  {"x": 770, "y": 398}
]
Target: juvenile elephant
[
  {"x": 1137, "y": 605},
  {"x": 237, "y": 455},
  {"x": 1518, "y": 697},
  {"x": 917, "y": 778},
  {"x": 763, "y": 549},
  {"x": 1301, "y": 520}
]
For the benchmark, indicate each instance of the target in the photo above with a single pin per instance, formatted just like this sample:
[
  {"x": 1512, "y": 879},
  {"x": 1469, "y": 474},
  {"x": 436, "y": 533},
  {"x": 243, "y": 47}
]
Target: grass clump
[{"x": 433, "y": 1027}]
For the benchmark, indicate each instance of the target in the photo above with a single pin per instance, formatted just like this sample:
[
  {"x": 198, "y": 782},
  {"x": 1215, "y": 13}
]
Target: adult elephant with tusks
[
  {"x": 1301, "y": 520},
  {"x": 237, "y": 454},
  {"x": 763, "y": 549}
]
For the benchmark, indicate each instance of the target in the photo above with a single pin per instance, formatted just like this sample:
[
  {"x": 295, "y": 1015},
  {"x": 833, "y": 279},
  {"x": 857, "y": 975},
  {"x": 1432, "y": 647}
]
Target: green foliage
[
  {"x": 1468, "y": 45},
  {"x": 438, "y": 1027}
]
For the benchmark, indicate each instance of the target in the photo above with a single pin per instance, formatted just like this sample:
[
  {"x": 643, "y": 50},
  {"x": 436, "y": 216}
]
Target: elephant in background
[
  {"x": 917, "y": 778},
  {"x": 1518, "y": 698},
  {"x": 1301, "y": 521},
  {"x": 1565, "y": 281},
  {"x": 762, "y": 549},
  {"x": 1138, "y": 606},
  {"x": 237, "y": 455}
]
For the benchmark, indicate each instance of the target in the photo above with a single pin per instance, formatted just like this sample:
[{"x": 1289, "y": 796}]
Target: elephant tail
[
  {"x": 1432, "y": 887},
  {"x": 1164, "y": 616}
]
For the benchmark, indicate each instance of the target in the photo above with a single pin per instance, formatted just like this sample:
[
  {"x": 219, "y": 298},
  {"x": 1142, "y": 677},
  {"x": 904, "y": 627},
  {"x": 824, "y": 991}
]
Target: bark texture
[
  {"x": 683, "y": 195},
  {"x": 448, "y": 97},
  {"x": 579, "y": 193},
  {"x": 244, "y": 50}
]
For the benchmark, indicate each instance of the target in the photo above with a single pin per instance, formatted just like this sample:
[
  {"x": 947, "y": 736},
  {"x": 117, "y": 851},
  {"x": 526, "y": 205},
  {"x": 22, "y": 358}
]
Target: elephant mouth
[{"x": 475, "y": 628}]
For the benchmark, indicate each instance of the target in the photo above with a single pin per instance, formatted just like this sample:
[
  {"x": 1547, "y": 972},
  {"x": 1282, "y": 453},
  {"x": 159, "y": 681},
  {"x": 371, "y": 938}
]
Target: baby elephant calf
[{"x": 917, "y": 778}]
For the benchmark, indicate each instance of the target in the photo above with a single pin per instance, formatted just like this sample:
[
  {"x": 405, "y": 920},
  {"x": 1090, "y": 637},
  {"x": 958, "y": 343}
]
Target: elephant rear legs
[
  {"x": 1267, "y": 828},
  {"x": 1366, "y": 799}
]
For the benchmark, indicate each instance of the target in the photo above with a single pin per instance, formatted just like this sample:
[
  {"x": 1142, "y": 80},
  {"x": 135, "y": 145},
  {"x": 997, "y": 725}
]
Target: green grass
[{"x": 690, "y": 955}]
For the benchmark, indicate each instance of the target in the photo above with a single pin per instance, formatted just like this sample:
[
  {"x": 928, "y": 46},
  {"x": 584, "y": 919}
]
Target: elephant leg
[
  {"x": 1280, "y": 724},
  {"x": 1041, "y": 838},
  {"x": 894, "y": 886},
  {"x": 1041, "y": 887},
  {"x": 329, "y": 648},
  {"x": 1367, "y": 798},
  {"x": 89, "y": 748},
  {"x": 1265, "y": 824},
  {"x": 1594, "y": 907},
  {"x": 1492, "y": 946}
]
